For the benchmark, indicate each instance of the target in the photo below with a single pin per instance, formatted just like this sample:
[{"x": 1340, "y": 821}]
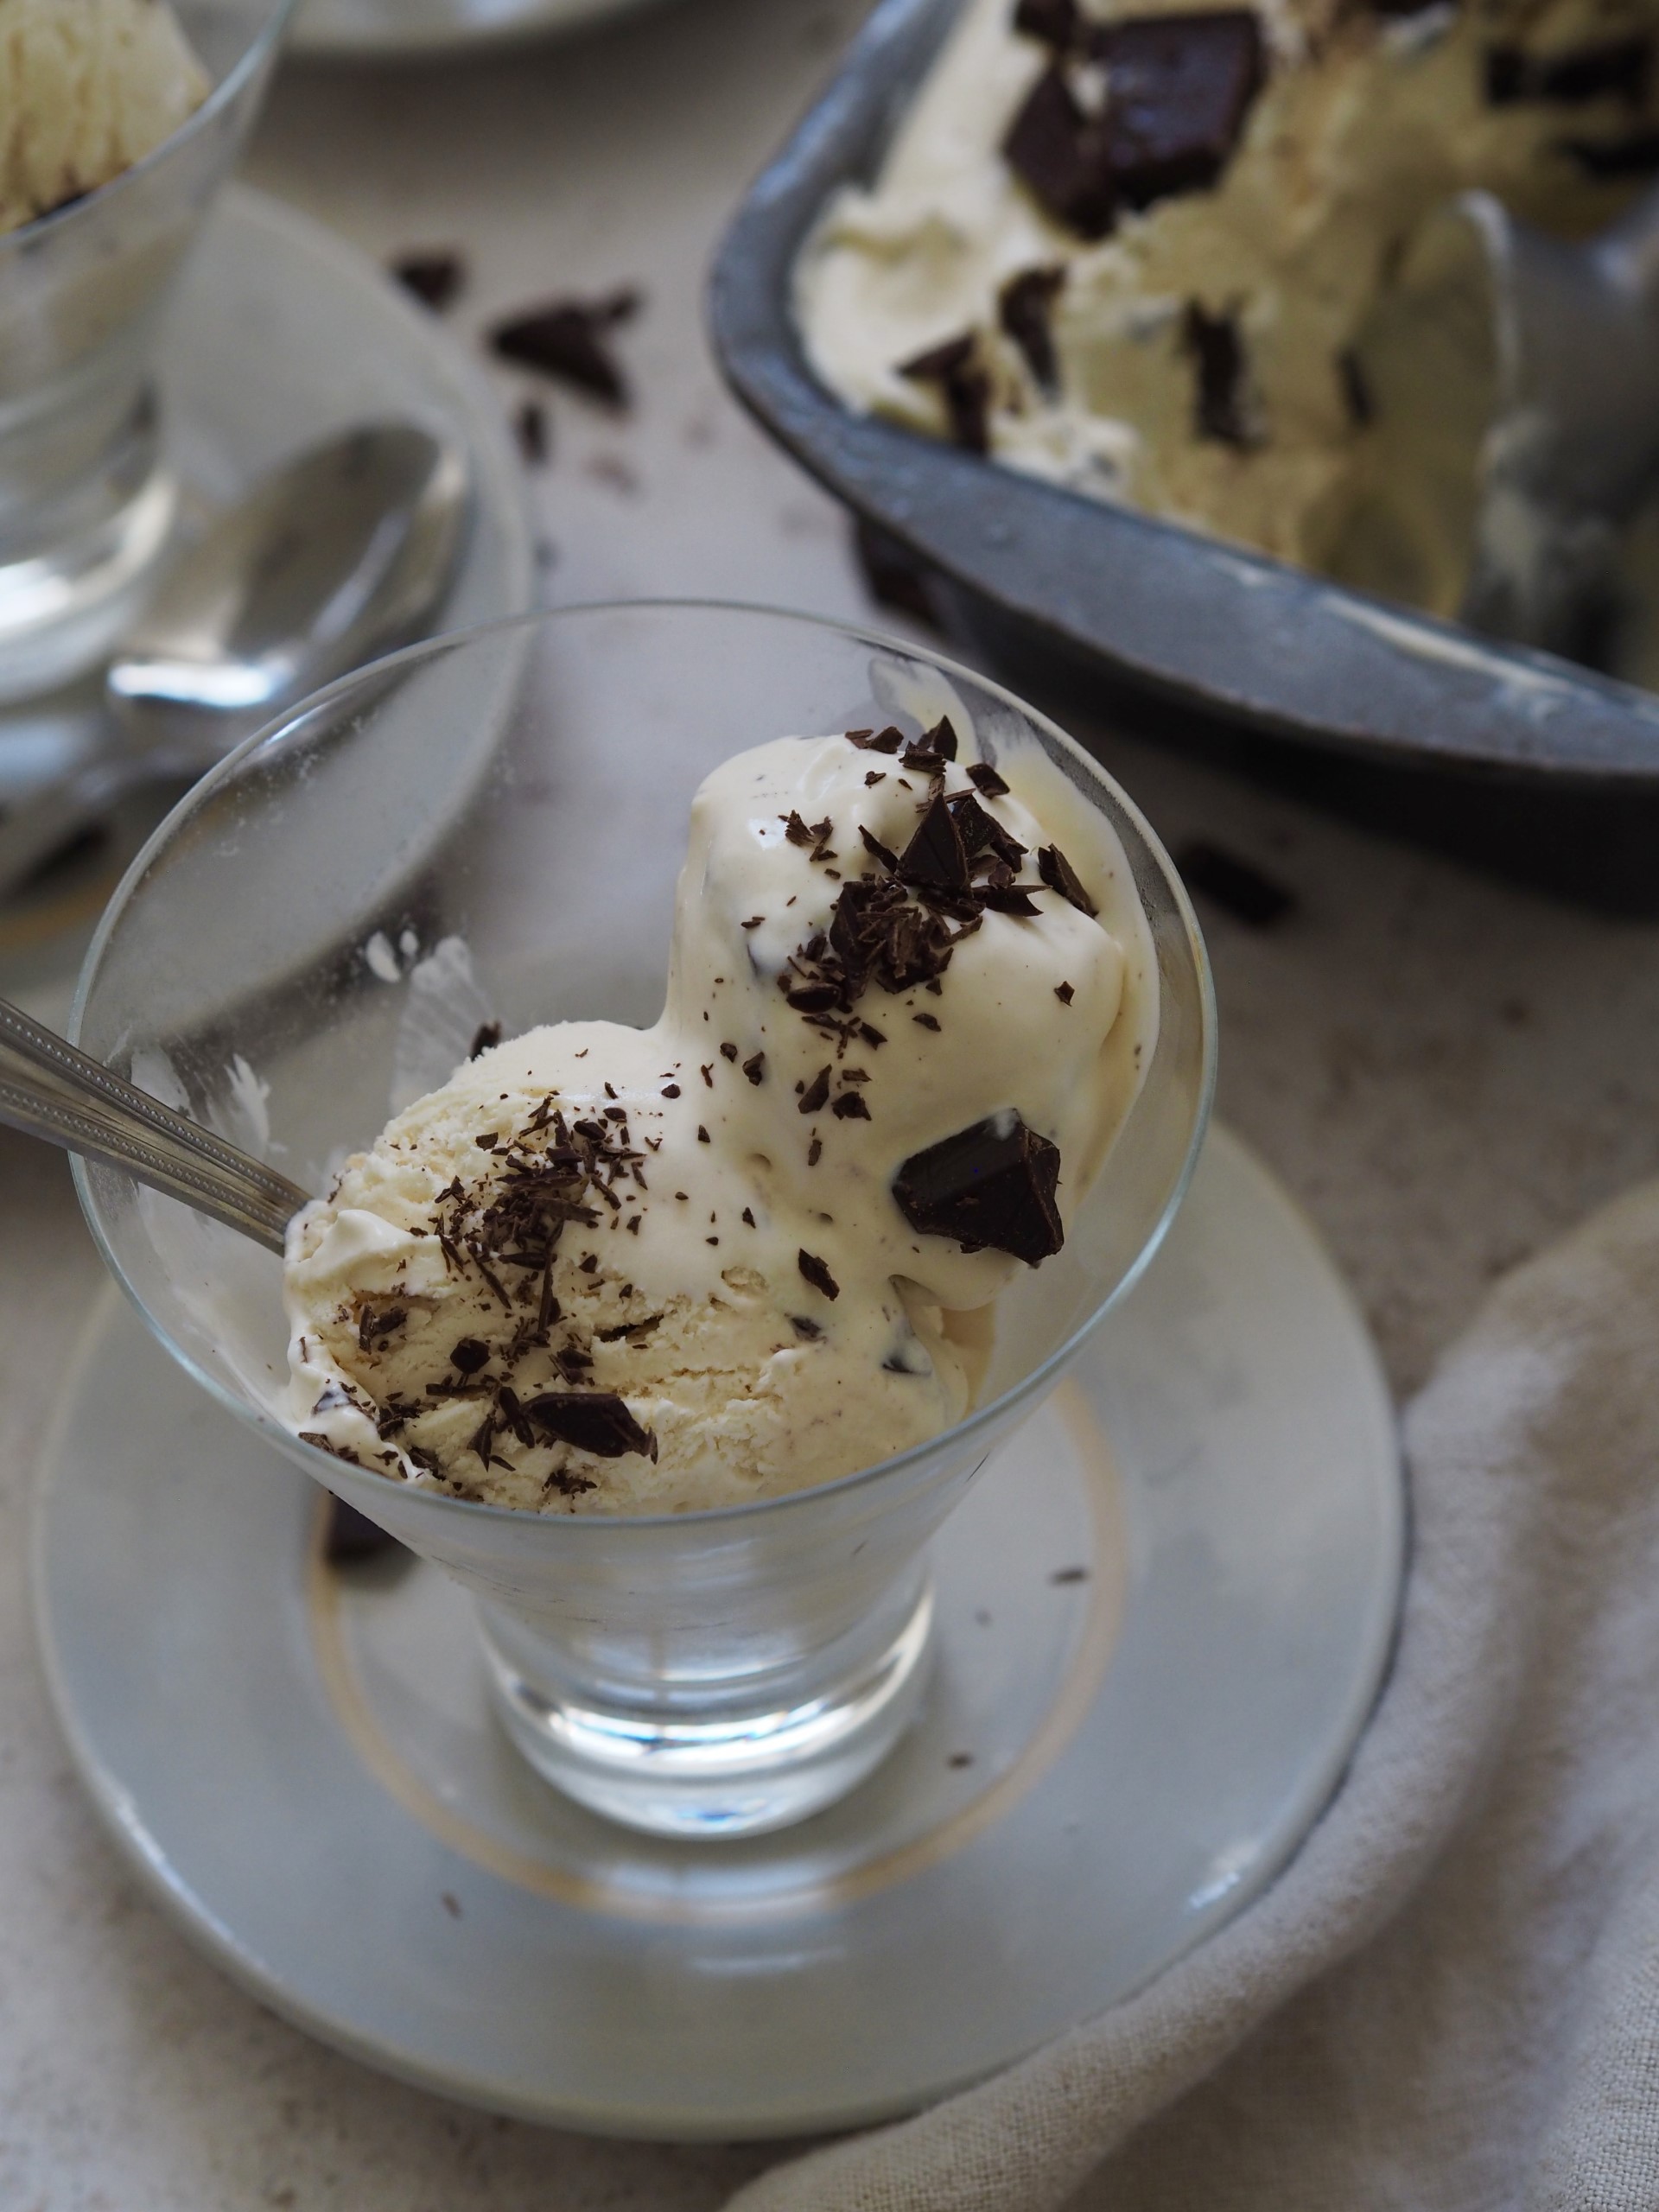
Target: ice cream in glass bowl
[
  {"x": 739, "y": 1061},
  {"x": 119, "y": 121}
]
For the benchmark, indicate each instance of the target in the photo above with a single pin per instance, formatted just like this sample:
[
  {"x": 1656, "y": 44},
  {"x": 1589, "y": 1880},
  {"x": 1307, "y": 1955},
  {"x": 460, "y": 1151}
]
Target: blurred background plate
[
  {"x": 367, "y": 28},
  {"x": 279, "y": 335}
]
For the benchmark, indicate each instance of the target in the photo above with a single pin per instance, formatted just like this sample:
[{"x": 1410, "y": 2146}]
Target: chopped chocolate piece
[
  {"x": 1066, "y": 993},
  {"x": 982, "y": 833},
  {"x": 435, "y": 279},
  {"x": 963, "y": 386},
  {"x": 874, "y": 845},
  {"x": 814, "y": 1098},
  {"x": 486, "y": 1038},
  {"x": 753, "y": 922},
  {"x": 850, "y": 1106},
  {"x": 703, "y": 1136},
  {"x": 755, "y": 1068},
  {"x": 671, "y": 1091},
  {"x": 893, "y": 575},
  {"x": 1059, "y": 875},
  {"x": 1356, "y": 388},
  {"x": 925, "y": 1020},
  {"x": 1008, "y": 899},
  {"x": 1023, "y": 309},
  {"x": 567, "y": 338},
  {"x": 350, "y": 1536},
  {"x": 936, "y": 858},
  {"x": 488, "y": 1141},
  {"x": 941, "y": 739},
  {"x": 797, "y": 831},
  {"x": 807, "y": 1330},
  {"x": 1179, "y": 90},
  {"x": 1615, "y": 68},
  {"x": 1056, "y": 23},
  {"x": 530, "y": 423},
  {"x": 1607, "y": 158},
  {"x": 817, "y": 1274},
  {"x": 875, "y": 776},
  {"x": 882, "y": 741},
  {"x": 814, "y": 998},
  {"x": 1218, "y": 352},
  {"x": 1060, "y": 155},
  {"x": 748, "y": 1216},
  {"x": 984, "y": 778},
  {"x": 469, "y": 1355},
  {"x": 1237, "y": 885},
  {"x": 814, "y": 1151},
  {"x": 728, "y": 1051},
  {"x": 593, "y": 1420},
  {"x": 1062, "y": 1575},
  {"x": 992, "y": 1185}
]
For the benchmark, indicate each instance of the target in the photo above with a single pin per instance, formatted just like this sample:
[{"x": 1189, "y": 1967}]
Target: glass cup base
[{"x": 737, "y": 1769}]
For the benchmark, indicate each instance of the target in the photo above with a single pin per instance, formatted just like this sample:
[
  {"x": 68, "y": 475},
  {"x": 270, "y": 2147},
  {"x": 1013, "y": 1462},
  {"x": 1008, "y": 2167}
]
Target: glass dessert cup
[
  {"x": 490, "y": 828},
  {"x": 86, "y": 499}
]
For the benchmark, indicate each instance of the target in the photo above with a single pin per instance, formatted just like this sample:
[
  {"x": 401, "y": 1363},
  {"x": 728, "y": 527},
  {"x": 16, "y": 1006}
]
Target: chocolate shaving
[
  {"x": 1024, "y": 308},
  {"x": 595, "y": 1421},
  {"x": 1008, "y": 898},
  {"x": 435, "y": 279},
  {"x": 1613, "y": 69},
  {"x": 874, "y": 845},
  {"x": 1059, "y": 875},
  {"x": 850, "y": 1106},
  {"x": 485, "y": 1038},
  {"x": 814, "y": 1151},
  {"x": 963, "y": 384},
  {"x": 925, "y": 1020},
  {"x": 1237, "y": 885},
  {"x": 990, "y": 1185},
  {"x": 1219, "y": 411},
  {"x": 881, "y": 740},
  {"x": 568, "y": 339},
  {"x": 816, "y": 1095},
  {"x": 818, "y": 1274}
]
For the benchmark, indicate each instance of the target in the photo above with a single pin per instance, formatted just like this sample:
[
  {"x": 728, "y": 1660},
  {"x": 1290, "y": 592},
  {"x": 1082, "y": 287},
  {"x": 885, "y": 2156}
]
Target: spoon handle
[{"x": 50, "y": 1089}]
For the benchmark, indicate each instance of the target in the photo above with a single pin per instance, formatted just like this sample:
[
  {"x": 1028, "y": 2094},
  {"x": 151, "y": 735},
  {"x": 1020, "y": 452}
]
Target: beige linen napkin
[{"x": 1450, "y": 2000}]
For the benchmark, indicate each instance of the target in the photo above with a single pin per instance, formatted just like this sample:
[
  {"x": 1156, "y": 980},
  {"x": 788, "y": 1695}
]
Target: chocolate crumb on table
[
  {"x": 436, "y": 277},
  {"x": 568, "y": 340}
]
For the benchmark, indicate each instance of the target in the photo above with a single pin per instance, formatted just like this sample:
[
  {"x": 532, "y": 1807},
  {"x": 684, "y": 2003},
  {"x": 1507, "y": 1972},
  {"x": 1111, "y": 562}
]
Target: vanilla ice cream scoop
[
  {"x": 87, "y": 87},
  {"x": 751, "y": 1248}
]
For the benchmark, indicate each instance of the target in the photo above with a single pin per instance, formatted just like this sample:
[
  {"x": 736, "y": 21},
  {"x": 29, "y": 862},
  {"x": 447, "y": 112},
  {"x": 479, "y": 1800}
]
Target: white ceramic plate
[
  {"x": 368, "y": 28},
  {"x": 1165, "y": 1610},
  {"x": 278, "y": 335}
]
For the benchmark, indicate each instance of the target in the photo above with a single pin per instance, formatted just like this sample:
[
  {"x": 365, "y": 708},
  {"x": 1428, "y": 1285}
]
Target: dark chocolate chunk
[
  {"x": 941, "y": 739},
  {"x": 1218, "y": 352},
  {"x": 1066, "y": 993},
  {"x": 874, "y": 846},
  {"x": 1613, "y": 69},
  {"x": 982, "y": 833},
  {"x": 1356, "y": 388},
  {"x": 755, "y": 1067},
  {"x": 880, "y": 740},
  {"x": 814, "y": 1098},
  {"x": 1605, "y": 159},
  {"x": 985, "y": 778},
  {"x": 1237, "y": 885},
  {"x": 992, "y": 1185},
  {"x": 963, "y": 386},
  {"x": 485, "y": 1038},
  {"x": 469, "y": 1355},
  {"x": 1178, "y": 88},
  {"x": 817, "y": 1274},
  {"x": 936, "y": 859},
  {"x": 807, "y": 1330},
  {"x": 1008, "y": 899},
  {"x": 531, "y": 425},
  {"x": 593, "y": 1420},
  {"x": 671, "y": 1091},
  {"x": 1024, "y": 308},
  {"x": 850, "y": 1106},
  {"x": 351, "y": 1537},
  {"x": 925, "y": 1020},
  {"x": 435, "y": 279},
  {"x": 728, "y": 1051},
  {"x": 1060, "y": 155},
  {"x": 1059, "y": 875},
  {"x": 568, "y": 340},
  {"x": 1056, "y": 23},
  {"x": 893, "y": 575}
]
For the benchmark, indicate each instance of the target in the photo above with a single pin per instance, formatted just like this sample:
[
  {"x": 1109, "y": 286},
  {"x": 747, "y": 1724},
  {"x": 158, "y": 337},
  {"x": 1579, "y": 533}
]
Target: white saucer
[
  {"x": 278, "y": 335},
  {"x": 1157, "y": 1653},
  {"x": 326, "y": 28}
]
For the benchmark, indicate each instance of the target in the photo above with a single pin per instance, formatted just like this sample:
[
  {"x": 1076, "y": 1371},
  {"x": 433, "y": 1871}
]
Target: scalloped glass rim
[
  {"x": 27, "y": 237},
  {"x": 1030, "y": 1386}
]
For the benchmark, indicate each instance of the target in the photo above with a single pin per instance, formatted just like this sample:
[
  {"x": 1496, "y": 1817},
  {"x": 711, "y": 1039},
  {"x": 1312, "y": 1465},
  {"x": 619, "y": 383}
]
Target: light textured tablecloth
[{"x": 1451, "y": 1998}]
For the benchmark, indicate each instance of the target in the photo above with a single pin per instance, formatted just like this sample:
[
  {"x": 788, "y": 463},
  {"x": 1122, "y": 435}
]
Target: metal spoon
[
  {"x": 50, "y": 1089},
  {"x": 1517, "y": 382},
  {"x": 334, "y": 558}
]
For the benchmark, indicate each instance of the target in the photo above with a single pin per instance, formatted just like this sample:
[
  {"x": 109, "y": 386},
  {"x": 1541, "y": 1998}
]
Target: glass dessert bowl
[
  {"x": 86, "y": 499},
  {"x": 488, "y": 829}
]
